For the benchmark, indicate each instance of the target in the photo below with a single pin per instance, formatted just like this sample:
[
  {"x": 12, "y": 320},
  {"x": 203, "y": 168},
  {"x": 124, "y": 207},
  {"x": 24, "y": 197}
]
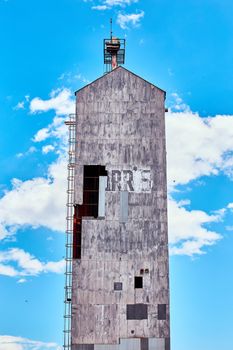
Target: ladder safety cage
[
  {"x": 71, "y": 123},
  {"x": 113, "y": 47}
]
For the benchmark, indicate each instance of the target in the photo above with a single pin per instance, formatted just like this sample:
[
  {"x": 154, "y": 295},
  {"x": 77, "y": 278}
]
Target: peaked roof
[{"x": 112, "y": 72}]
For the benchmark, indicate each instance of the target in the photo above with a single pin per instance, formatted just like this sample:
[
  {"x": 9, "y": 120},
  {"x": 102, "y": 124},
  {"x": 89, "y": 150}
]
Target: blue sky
[{"x": 51, "y": 48}]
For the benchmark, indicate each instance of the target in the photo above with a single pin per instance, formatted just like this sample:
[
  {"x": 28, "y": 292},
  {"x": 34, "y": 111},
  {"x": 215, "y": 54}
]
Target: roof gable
[{"x": 112, "y": 72}]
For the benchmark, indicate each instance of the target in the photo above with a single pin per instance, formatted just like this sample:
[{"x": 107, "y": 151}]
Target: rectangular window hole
[
  {"x": 138, "y": 282},
  {"x": 91, "y": 203},
  {"x": 144, "y": 344},
  {"x": 136, "y": 312},
  {"x": 82, "y": 347},
  {"x": 117, "y": 285},
  {"x": 162, "y": 308}
]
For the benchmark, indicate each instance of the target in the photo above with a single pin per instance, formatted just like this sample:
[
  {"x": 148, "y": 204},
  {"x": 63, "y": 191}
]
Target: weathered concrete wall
[{"x": 120, "y": 125}]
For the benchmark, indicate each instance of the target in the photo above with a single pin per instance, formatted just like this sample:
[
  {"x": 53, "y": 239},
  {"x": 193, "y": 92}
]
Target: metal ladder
[{"x": 71, "y": 123}]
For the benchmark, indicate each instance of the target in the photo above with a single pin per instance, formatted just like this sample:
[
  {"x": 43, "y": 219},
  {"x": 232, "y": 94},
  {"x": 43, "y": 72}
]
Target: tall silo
[{"x": 119, "y": 296}]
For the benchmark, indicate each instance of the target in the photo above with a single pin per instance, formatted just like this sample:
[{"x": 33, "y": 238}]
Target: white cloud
[
  {"x": 8, "y": 342},
  {"x": 36, "y": 202},
  {"x": 31, "y": 150},
  {"x": 20, "y": 105},
  {"x": 198, "y": 146},
  {"x": 188, "y": 232},
  {"x": 63, "y": 103},
  {"x": 72, "y": 77},
  {"x": 58, "y": 130},
  {"x": 119, "y": 2},
  {"x": 41, "y": 135},
  {"x": 19, "y": 155},
  {"x": 22, "y": 280},
  {"x": 129, "y": 19},
  {"x": 100, "y": 7},
  {"x": 26, "y": 264},
  {"x": 61, "y": 100},
  {"x": 48, "y": 148},
  {"x": 177, "y": 103},
  {"x": 7, "y": 270},
  {"x": 108, "y": 4},
  {"x": 40, "y": 201},
  {"x": 4, "y": 232}
]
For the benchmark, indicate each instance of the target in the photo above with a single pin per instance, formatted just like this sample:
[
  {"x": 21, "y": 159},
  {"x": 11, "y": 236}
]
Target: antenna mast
[
  {"x": 111, "y": 28},
  {"x": 114, "y": 51}
]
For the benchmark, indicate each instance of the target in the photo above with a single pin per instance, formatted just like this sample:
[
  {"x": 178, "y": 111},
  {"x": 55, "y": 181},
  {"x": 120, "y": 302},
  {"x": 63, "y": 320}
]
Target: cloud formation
[
  {"x": 26, "y": 264},
  {"x": 8, "y": 342},
  {"x": 61, "y": 101},
  {"x": 100, "y": 7},
  {"x": 41, "y": 201},
  {"x": 108, "y": 4},
  {"x": 31, "y": 150},
  {"x": 177, "y": 103},
  {"x": 37, "y": 202},
  {"x": 48, "y": 148},
  {"x": 56, "y": 130},
  {"x": 188, "y": 232},
  {"x": 198, "y": 146},
  {"x": 126, "y": 20},
  {"x": 20, "y": 105},
  {"x": 119, "y": 2}
]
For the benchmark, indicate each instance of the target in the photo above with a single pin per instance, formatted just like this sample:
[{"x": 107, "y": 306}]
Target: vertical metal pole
[{"x": 111, "y": 28}]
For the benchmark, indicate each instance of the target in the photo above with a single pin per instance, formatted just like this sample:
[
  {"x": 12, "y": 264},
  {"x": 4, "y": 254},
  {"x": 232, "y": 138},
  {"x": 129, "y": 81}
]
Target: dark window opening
[
  {"x": 136, "y": 312},
  {"x": 162, "y": 311},
  {"x": 167, "y": 343},
  {"x": 144, "y": 344},
  {"x": 91, "y": 174},
  {"x": 83, "y": 347},
  {"x": 117, "y": 285},
  {"x": 138, "y": 282}
]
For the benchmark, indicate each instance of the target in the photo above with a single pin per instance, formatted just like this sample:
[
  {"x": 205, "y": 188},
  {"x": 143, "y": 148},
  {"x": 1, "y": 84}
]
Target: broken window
[
  {"x": 117, "y": 285},
  {"x": 162, "y": 311},
  {"x": 136, "y": 312},
  {"x": 90, "y": 206},
  {"x": 138, "y": 282}
]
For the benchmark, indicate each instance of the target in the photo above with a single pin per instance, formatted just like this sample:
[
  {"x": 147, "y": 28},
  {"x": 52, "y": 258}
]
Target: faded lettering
[
  {"x": 136, "y": 180},
  {"x": 128, "y": 180},
  {"x": 116, "y": 180},
  {"x": 146, "y": 181}
]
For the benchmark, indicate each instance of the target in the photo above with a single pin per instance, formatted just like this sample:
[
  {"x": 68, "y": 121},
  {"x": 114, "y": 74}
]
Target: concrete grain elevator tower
[{"x": 117, "y": 285}]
